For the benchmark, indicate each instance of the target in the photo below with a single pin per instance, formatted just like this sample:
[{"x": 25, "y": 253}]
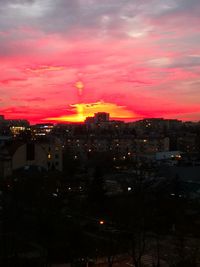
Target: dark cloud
[
  {"x": 65, "y": 15},
  {"x": 69, "y": 16}
]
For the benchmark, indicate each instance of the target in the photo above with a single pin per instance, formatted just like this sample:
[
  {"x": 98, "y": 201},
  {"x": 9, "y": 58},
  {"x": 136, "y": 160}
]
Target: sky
[{"x": 63, "y": 60}]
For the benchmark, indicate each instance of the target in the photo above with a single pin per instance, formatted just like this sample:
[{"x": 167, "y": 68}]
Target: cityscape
[
  {"x": 99, "y": 133},
  {"x": 100, "y": 193}
]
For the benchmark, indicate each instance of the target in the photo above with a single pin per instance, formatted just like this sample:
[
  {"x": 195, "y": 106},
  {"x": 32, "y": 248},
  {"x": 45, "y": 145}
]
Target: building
[
  {"x": 41, "y": 129},
  {"x": 101, "y": 117},
  {"x": 166, "y": 155},
  {"x": 89, "y": 120},
  {"x": 47, "y": 155},
  {"x": 188, "y": 142},
  {"x": 157, "y": 125},
  {"x": 151, "y": 145},
  {"x": 5, "y": 165}
]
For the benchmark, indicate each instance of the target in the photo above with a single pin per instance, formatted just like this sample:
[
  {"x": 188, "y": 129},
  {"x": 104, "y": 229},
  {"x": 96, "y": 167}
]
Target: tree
[{"x": 96, "y": 193}]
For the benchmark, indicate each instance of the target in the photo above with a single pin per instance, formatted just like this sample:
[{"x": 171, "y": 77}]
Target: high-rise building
[{"x": 101, "y": 117}]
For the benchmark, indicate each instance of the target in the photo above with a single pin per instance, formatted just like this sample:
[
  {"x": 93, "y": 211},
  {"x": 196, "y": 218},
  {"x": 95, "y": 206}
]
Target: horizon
[
  {"x": 63, "y": 61},
  {"x": 111, "y": 119}
]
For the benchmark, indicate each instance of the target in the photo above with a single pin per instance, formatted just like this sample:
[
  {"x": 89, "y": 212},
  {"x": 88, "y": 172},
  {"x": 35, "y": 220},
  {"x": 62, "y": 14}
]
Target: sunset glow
[
  {"x": 82, "y": 111},
  {"x": 133, "y": 59}
]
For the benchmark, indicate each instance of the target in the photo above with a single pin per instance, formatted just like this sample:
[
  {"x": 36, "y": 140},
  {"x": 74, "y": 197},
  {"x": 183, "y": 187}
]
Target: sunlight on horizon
[{"x": 84, "y": 110}]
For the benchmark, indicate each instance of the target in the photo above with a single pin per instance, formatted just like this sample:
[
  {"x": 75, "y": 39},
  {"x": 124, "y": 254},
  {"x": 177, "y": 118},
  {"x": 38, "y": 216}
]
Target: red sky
[{"x": 133, "y": 59}]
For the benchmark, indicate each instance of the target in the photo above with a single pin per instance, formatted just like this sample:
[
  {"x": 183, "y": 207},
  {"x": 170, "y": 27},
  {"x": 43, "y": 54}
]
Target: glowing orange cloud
[{"x": 84, "y": 110}]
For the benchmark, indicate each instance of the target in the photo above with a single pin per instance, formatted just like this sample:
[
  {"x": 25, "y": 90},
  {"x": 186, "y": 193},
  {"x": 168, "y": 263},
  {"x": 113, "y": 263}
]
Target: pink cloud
[{"x": 138, "y": 73}]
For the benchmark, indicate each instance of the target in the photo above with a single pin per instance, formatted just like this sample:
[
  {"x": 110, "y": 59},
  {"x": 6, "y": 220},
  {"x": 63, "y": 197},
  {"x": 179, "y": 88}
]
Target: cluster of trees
[{"x": 66, "y": 226}]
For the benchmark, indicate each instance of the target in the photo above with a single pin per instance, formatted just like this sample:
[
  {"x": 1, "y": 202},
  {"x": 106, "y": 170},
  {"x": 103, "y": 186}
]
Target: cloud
[
  {"x": 131, "y": 18},
  {"x": 33, "y": 114},
  {"x": 41, "y": 69},
  {"x": 10, "y": 80},
  {"x": 66, "y": 16},
  {"x": 187, "y": 61},
  {"x": 130, "y": 52}
]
